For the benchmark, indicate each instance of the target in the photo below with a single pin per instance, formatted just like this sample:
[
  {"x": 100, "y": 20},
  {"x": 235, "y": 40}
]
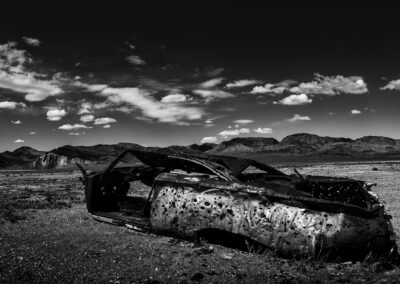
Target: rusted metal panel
[{"x": 287, "y": 229}]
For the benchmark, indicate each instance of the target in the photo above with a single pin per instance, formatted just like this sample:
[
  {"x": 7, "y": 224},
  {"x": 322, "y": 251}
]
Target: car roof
[{"x": 225, "y": 165}]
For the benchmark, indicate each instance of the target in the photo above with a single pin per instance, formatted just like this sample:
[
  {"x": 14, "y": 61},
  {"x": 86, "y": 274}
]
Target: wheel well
[{"x": 231, "y": 240}]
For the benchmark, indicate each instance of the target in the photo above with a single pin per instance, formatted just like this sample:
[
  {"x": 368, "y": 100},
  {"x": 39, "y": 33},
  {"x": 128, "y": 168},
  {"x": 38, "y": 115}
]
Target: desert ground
[{"x": 47, "y": 236}]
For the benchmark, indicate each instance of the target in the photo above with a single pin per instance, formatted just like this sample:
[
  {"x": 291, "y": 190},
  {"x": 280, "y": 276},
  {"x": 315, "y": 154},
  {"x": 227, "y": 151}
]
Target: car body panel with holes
[{"x": 290, "y": 214}]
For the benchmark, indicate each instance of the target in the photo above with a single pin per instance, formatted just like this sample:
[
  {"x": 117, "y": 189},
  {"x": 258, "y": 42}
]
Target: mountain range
[{"x": 299, "y": 146}]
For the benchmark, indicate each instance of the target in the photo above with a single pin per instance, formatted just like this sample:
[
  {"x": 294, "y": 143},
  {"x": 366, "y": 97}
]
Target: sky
[{"x": 181, "y": 73}]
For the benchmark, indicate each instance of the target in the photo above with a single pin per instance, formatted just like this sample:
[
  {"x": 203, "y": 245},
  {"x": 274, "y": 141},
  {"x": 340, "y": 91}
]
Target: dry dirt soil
[{"x": 47, "y": 236}]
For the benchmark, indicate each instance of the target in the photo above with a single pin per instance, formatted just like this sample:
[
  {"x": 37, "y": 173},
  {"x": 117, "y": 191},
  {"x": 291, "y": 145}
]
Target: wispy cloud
[
  {"x": 294, "y": 99},
  {"x": 243, "y": 121},
  {"x": 107, "y": 126},
  {"x": 19, "y": 141},
  {"x": 76, "y": 133},
  {"x": 233, "y": 132},
  {"x": 15, "y": 76},
  {"x": 241, "y": 83},
  {"x": 298, "y": 117},
  {"x": 150, "y": 107},
  {"x": 16, "y": 121},
  {"x": 35, "y": 90},
  {"x": 355, "y": 111},
  {"x": 211, "y": 83},
  {"x": 32, "y": 133},
  {"x": 212, "y": 95}
]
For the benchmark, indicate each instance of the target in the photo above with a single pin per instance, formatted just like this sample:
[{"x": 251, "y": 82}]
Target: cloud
[
  {"x": 294, "y": 99},
  {"x": 150, "y": 107},
  {"x": 32, "y": 133},
  {"x": 19, "y": 141},
  {"x": 104, "y": 120},
  {"x": 131, "y": 46},
  {"x": 211, "y": 139},
  {"x": 135, "y": 60},
  {"x": 31, "y": 41},
  {"x": 355, "y": 111},
  {"x": 332, "y": 85},
  {"x": 15, "y": 76},
  {"x": 55, "y": 114},
  {"x": 87, "y": 118},
  {"x": 243, "y": 121},
  {"x": 86, "y": 107},
  {"x": 96, "y": 87},
  {"x": 392, "y": 85},
  {"x": 370, "y": 109},
  {"x": 269, "y": 88},
  {"x": 11, "y": 105},
  {"x": 174, "y": 98},
  {"x": 211, "y": 95},
  {"x": 12, "y": 58},
  {"x": 89, "y": 87},
  {"x": 16, "y": 122},
  {"x": 211, "y": 83},
  {"x": 233, "y": 132},
  {"x": 264, "y": 130},
  {"x": 36, "y": 90},
  {"x": 241, "y": 83},
  {"x": 107, "y": 126},
  {"x": 73, "y": 126},
  {"x": 209, "y": 123},
  {"x": 76, "y": 133},
  {"x": 298, "y": 117}
]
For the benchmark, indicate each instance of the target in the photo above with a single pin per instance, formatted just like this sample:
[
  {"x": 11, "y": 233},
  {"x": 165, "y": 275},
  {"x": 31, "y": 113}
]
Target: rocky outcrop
[{"x": 52, "y": 160}]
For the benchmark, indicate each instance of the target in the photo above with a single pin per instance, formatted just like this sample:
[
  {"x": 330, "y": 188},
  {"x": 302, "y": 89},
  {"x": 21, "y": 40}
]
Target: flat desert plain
[{"x": 47, "y": 236}]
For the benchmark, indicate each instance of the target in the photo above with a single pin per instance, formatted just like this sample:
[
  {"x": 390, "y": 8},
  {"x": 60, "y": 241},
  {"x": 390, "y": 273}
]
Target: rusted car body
[{"x": 291, "y": 214}]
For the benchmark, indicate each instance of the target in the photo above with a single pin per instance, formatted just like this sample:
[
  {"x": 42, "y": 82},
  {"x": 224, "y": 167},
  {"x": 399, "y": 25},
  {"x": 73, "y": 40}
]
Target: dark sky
[{"x": 181, "y": 73}]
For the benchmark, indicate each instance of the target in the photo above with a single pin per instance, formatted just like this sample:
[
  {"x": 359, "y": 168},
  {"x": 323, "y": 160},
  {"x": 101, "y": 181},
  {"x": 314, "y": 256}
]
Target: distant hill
[
  {"x": 240, "y": 145},
  {"x": 301, "y": 145},
  {"x": 19, "y": 157}
]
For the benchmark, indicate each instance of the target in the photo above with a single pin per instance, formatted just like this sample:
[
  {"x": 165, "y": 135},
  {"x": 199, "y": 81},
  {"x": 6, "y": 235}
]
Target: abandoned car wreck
[{"x": 294, "y": 215}]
